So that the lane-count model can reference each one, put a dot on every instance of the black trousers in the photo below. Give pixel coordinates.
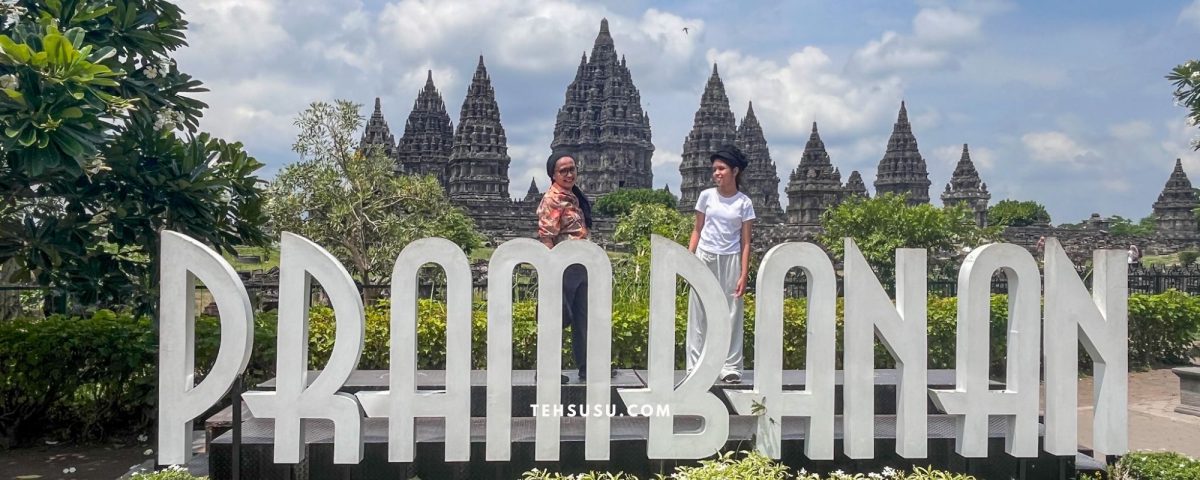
(574, 312)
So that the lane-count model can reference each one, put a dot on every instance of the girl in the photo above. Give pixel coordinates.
(721, 238)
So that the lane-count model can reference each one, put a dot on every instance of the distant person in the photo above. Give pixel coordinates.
(1134, 256)
(1041, 246)
(566, 214)
(721, 238)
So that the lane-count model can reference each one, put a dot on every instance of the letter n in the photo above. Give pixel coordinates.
(901, 329)
(1102, 324)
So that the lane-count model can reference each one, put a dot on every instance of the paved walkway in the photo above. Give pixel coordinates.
(1153, 423)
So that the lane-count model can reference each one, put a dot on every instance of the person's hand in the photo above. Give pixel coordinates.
(741, 287)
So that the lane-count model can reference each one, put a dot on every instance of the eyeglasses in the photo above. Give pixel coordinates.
(567, 171)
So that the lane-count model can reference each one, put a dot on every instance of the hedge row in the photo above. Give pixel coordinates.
(88, 377)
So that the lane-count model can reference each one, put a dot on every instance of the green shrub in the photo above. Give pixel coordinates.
(622, 201)
(750, 466)
(174, 472)
(1156, 466)
(85, 378)
(1162, 328)
(1188, 257)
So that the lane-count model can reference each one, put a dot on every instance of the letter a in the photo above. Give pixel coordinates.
(816, 401)
(971, 402)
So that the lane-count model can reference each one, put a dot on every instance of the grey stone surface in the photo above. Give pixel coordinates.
(602, 123)
(902, 169)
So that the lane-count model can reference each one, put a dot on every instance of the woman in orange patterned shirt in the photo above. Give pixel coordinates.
(566, 214)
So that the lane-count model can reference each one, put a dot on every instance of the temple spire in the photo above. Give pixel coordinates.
(377, 135)
(424, 148)
(713, 127)
(761, 180)
(855, 186)
(967, 188)
(815, 185)
(478, 166)
(602, 122)
(1173, 210)
(902, 169)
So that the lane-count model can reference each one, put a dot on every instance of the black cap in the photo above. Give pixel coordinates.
(731, 155)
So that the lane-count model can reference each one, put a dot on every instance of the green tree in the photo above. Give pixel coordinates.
(1122, 226)
(1013, 213)
(1186, 78)
(350, 201)
(622, 201)
(100, 150)
(632, 273)
(881, 225)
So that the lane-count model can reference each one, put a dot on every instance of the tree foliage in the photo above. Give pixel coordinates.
(1186, 78)
(632, 273)
(622, 201)
(883, 224)
(1122, 226)
(100, 150)
(350, 201)
(1014, 213)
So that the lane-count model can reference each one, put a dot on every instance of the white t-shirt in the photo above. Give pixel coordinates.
(721, 233)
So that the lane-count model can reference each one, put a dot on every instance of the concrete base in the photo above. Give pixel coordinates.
(1189, 390)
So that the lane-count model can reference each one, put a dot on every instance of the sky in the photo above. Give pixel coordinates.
(1063, 103)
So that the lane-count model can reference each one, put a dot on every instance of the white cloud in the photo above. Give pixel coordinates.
(1178, 144)
(1131, 131)
(943, 26)
(1191, 14)
(1053, 147)
(940, 35)
(664, 156)
(789, 97)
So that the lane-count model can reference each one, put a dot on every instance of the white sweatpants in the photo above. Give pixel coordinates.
(727, 268)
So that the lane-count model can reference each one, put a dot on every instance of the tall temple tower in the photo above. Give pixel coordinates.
(902, 170)
(424, 149)
(761, 180)
(377, 134)
(603, 124)
(967, 188)
(712, 128)
(478, 166)
(1175, 204)
(815, 185)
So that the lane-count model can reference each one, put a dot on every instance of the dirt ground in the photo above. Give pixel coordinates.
(47, 462)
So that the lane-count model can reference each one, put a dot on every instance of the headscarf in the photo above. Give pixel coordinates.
(584, 204)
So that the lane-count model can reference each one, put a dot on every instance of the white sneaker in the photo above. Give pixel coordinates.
(732, 376)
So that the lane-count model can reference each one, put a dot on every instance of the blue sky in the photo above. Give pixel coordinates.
(1061, 102)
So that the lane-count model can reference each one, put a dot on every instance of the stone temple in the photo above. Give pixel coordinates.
(602, 122)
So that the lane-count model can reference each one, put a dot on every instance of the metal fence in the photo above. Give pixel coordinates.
(25, 300)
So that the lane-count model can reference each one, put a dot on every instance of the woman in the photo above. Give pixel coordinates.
(721, 238)
(566, 214)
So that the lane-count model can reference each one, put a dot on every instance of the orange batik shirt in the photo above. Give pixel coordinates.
(559, 216)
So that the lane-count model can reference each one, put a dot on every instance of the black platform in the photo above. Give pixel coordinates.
(628, 437)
